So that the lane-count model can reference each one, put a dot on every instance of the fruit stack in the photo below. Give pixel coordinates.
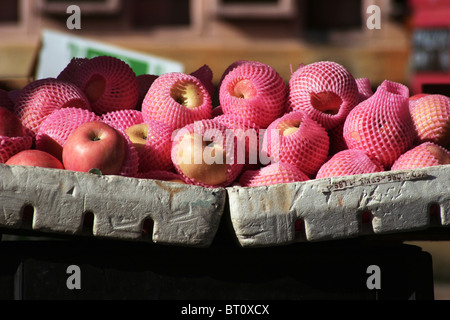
(97, 116)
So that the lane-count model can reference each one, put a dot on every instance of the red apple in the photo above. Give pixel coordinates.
(10, 125)
(35, 158)
(95, 145)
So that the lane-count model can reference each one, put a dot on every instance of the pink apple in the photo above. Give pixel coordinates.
(35, 158)
(10, 125)
(95, 145)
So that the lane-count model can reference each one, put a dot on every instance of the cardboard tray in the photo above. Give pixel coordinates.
(179, 214)
(390, 202)
(341, 207)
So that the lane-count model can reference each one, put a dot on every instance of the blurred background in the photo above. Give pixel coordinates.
(405, 41)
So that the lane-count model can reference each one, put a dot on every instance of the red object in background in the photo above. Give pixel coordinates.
(431, 15)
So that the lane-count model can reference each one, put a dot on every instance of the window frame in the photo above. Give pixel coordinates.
(283, 9)
(106, 7)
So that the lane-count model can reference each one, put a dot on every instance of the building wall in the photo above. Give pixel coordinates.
(199, 32)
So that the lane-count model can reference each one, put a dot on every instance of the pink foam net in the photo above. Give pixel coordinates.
(61, 123)
(324, 77)
(160, 105)
(5, 100)
(121, 86)
(307, 148)
(130, 166)
(247, 134)
(271, 174)
(348, 162)
(72, 69)
(42, 97)
(364, 88)
(382, 125)
(9, 146)
(270, 101)
(156, 154)
(123, 119)
(159, 175)
(431, 117)
(424, 155)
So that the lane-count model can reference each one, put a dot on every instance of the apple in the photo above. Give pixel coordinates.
(381, 125)
(56, 128)
(138, 134)
(255, 91)
(325, 90)
(431, 117)
(40, 98)
(426, 154)
(274, 173)
(108, 82)
(152, 141)
(214, 173)
(35, 158)
(203, 153)
(297, 139)
(10, 125)
(95, 145)
(348, 162)
(177, 99)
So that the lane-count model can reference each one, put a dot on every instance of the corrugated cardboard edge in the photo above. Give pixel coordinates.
(332, 208)
(181, 214)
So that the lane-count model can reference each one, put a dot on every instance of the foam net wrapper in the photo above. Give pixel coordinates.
(423, 155)
(156, 154)
(210, 129)
(121, 86)
(364, 88)
(42, 97)
(323, 77)
(9, 146)
(130, 166)
(5, 100)
(159, 104)
(270, 101)
(348, 162)
(159, 175)
(274, 173)
(123, 119)
(382, 125)
(61, 123)
(431, 117)
(72, 69)
(307, 148)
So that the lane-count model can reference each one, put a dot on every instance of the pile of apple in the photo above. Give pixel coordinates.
(97, 116)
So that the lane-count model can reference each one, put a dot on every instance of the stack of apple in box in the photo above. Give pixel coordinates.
(97, 116)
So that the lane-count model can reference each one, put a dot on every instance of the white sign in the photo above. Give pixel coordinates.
(59, 48)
